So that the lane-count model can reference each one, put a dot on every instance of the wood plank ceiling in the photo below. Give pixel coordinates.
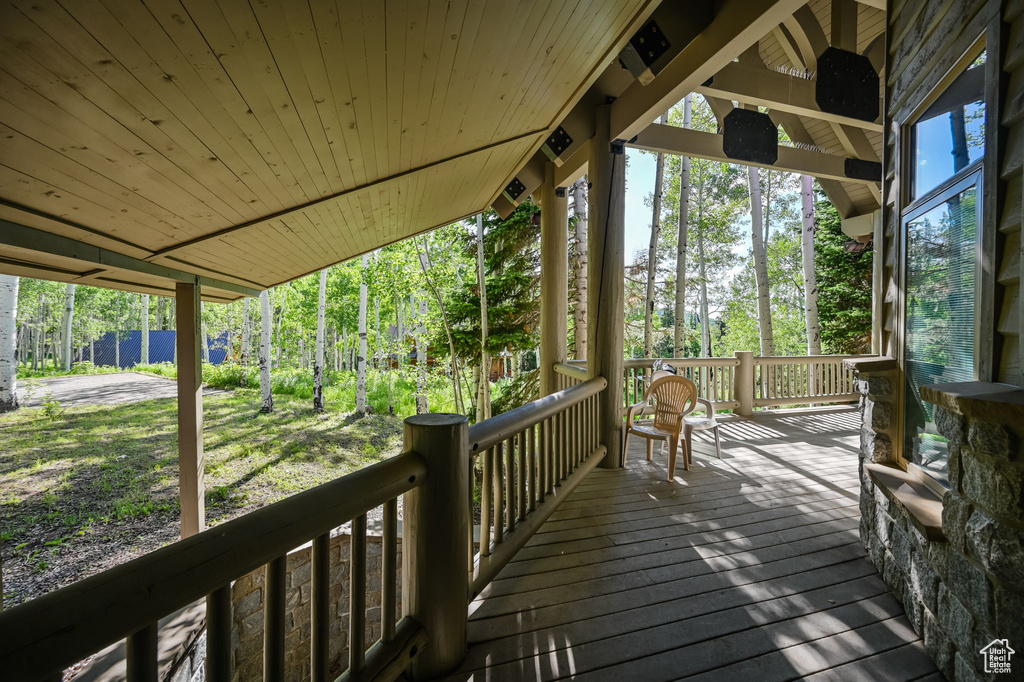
(257, 141)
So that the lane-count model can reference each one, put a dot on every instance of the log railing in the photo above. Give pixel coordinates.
(42, 637)
(529, 459)
(746, 381)
(802, 379)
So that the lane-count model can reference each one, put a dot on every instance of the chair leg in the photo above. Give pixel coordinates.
(689, 446)
(673, 444)
(625, 448)
(650, 450)
(718, 443)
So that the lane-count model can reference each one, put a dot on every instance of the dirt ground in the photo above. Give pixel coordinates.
(98, 389)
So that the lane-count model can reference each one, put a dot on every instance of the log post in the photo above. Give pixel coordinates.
(744, 386)
(190, 407)
(435, 580)
(554, 279)
(606, 245)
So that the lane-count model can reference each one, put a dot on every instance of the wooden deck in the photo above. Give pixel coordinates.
(745, 568)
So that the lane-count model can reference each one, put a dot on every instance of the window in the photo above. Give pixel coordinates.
(942, 258)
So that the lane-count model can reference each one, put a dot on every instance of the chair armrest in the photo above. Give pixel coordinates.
(707, 405)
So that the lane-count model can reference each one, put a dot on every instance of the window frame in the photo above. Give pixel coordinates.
(974, 174)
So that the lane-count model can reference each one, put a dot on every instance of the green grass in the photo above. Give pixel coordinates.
(79, 487)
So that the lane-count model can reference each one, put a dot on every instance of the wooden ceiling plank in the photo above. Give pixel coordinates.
(419, 77)
(237, 61)
(139, 85)
(340, 113)
(41, 119)
(50, 175)
(461, 83)
(504, 79)
(444, 21)
(282, 40)
(563, 63)
(242, 37)
(57, 75)
(372, 41)
(178, 24)
(70, 159)
(397, 29)
(350, 22)
(187, 93)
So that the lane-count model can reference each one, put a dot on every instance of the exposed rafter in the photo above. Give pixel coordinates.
(766, 88)
(798, 133)
(686, 142)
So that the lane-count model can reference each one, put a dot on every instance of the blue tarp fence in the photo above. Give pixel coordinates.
(161, 348)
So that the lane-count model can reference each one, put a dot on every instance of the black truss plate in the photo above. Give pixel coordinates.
(750, 136)
(847, 85)
(514, 190)
(863, 170)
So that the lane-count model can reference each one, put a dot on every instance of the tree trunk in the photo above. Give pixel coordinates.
(69, 319)
(652, 251)
(318, 362)
(810, 276)
(265, 361)
(8, 343)
(679, 336)
(206, 335)
(485, 360)
(243, 353)
(361, 359)
(579, 201)
(705, 314)
(425, 267)
(144, 357)
(422, 354)
(92, 342)
(380, 337)
(764, 310)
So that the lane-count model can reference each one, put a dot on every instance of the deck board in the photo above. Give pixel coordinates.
(748, 567)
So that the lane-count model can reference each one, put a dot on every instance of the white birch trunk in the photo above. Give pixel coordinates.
(579, 201)
(144, 358)
(652, 251)
(361, 359)
(69, 319)
(243, 353)
(265, 361)
(422, 353)
(810, 276)
(485, 359)
(206, 336)
(8, 343)
(318, 362)
(705, 314)
(764, 310)
(679, 335)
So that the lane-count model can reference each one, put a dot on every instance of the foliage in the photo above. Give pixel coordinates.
(844, 287)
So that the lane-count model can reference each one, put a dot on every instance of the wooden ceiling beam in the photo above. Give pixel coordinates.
(668, 139)
(774, 90)
(737, 25)
(844, 25)
(837, 194)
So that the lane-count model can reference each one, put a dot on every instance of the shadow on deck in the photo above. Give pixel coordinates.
(748, 567)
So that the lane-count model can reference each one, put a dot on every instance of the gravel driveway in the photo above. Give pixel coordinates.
(99, 389)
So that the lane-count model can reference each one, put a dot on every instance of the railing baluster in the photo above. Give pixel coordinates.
(531, 466)
(218, 635)
(510, 483)
(485, 504)
(521, 502)
(140, 655)
(499, 529)
(357, 596)
(389, 569)
(320, 600)
(273, 629)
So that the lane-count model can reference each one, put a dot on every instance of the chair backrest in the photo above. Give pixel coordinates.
(673, 396)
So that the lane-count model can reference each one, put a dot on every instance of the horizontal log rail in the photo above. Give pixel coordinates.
(743, 382)
(529, 459)
(42, 637)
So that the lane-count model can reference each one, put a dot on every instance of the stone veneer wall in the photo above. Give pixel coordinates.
(964, 591)
(247, 597)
